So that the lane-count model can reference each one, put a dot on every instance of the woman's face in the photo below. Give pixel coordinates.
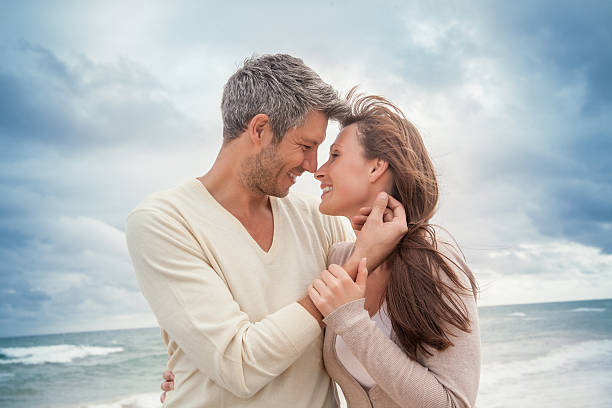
(345, 177)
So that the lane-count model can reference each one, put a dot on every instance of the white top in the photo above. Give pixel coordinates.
(227, 309)
(351, 363)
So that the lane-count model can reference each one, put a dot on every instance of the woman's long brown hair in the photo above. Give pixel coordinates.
(424, 292)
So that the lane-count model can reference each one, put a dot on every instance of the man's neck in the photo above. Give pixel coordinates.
(224, 183)
(252, 209)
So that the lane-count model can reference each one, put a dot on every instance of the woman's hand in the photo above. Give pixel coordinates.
(336, 287)
(357, 221)
(167, 385)
(380, 232)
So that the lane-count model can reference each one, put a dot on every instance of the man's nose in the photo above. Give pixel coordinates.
(310, 161)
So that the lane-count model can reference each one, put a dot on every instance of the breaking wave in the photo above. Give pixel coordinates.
(61, 353)
(589, 309)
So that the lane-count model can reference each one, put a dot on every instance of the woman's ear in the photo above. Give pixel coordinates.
(259, 129)
(378, 169)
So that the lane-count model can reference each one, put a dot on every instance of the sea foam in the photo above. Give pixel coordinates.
(60, 353)
(593, 350)
(132, 401)
(589, 309)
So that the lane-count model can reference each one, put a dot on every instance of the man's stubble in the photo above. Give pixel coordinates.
(260, 173)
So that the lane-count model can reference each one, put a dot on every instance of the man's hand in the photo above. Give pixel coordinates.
(379, 233)
(167, 385)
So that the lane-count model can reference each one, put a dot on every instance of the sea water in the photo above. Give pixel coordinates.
(537, 355)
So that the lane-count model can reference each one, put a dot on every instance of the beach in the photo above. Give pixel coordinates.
(536, 355)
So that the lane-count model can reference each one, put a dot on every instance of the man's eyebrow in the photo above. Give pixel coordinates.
(310, 141)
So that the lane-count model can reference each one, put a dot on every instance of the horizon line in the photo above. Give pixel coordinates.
(157, 327)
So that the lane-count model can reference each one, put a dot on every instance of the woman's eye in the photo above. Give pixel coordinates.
(333, 155)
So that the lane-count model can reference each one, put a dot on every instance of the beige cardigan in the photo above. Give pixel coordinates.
(444, 379)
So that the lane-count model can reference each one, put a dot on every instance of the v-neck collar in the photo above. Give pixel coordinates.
(266, 255)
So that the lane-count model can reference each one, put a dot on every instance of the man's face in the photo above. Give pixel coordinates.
(275, 168)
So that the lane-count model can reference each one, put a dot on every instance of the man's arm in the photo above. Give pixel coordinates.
(193, 304)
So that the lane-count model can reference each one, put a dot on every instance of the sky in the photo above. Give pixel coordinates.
(104, 103)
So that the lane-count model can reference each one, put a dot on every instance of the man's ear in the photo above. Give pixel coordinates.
(259, 130)
(378, 169)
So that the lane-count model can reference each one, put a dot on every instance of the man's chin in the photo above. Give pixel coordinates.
(277, 192)
(281, 194)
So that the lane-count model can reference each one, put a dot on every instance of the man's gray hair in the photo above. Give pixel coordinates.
(280, 86)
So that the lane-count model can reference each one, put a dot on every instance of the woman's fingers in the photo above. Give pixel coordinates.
(328, 278)
(321, 287)
(167, 385)
(388, 215)
(398, 209)
(338, 272)
(168, 375)
(362, 274)
(314, 295)
(365, 210)
(380, 203)
(357, 221)
(162, 397)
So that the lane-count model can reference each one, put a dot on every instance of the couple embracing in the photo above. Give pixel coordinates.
(265, 298)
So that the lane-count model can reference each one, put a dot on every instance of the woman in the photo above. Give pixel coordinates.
(405, 335)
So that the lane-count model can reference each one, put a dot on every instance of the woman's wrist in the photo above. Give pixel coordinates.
(375, 257)
(345, 316)
(352, 263)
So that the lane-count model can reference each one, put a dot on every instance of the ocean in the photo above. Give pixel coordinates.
(537, 355)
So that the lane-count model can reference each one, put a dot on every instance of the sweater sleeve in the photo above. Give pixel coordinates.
(195, 307)
(339, 253)
(450, 378)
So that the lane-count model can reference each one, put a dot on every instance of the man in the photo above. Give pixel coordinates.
(225, 260)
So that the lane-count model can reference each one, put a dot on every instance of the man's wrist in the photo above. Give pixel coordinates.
(310, 307)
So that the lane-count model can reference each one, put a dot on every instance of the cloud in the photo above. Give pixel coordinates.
(73, 269)
(78, 140)
(564, 39)
(526, 115)
(79, 104)
(513, 103)
(545, 272)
